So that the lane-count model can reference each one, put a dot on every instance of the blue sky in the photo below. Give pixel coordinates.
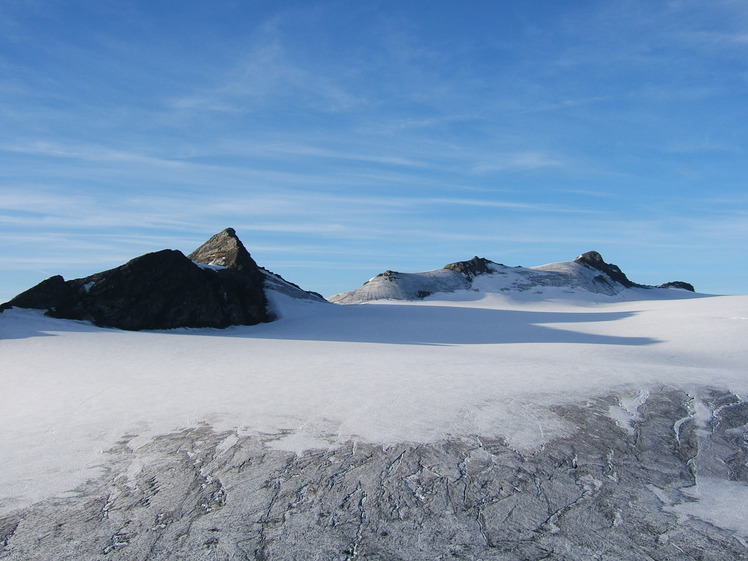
(341, 139)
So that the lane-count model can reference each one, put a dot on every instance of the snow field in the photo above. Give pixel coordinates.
(384, 372)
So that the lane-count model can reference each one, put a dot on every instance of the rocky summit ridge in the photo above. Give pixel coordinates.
(217, 285)
(587, 273)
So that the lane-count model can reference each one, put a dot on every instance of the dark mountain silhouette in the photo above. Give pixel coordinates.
(217, 285)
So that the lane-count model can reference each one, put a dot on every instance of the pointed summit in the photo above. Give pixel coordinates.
(224, 249)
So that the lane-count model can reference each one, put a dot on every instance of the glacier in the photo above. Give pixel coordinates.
(512, 416)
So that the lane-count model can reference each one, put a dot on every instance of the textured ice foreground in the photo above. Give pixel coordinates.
(491, 367)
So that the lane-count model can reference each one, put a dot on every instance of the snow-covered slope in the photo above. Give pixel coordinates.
(392, 285)
(276, 283)
(583, 275)
(357, 428)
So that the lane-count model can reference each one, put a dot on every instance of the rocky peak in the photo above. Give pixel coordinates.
(162, 290)
(475, 266)
(224, 249)
(594, 260)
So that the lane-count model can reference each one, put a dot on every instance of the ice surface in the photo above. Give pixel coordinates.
(626, 411)
(717, 501)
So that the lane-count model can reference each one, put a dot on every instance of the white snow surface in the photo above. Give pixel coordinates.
(464, 365)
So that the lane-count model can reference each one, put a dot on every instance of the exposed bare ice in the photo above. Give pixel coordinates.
(605, 492)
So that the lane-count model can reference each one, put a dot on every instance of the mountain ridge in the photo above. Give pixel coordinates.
(219, 284)
(588, 272)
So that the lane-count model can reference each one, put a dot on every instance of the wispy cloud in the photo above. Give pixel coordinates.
(285, 149)
(519, 161)
(367, 137)
(90, 153)
(267, 74)
(717, 38)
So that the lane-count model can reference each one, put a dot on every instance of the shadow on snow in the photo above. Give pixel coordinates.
(437, 325)
(381, 323)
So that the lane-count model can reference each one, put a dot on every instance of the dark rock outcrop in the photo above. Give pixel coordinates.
(678, 285)
(49, 293)
(162, 290)
(595, 260)
(476, 266)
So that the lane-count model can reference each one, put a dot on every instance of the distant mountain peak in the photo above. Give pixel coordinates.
(588, 273)
(595, 260)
